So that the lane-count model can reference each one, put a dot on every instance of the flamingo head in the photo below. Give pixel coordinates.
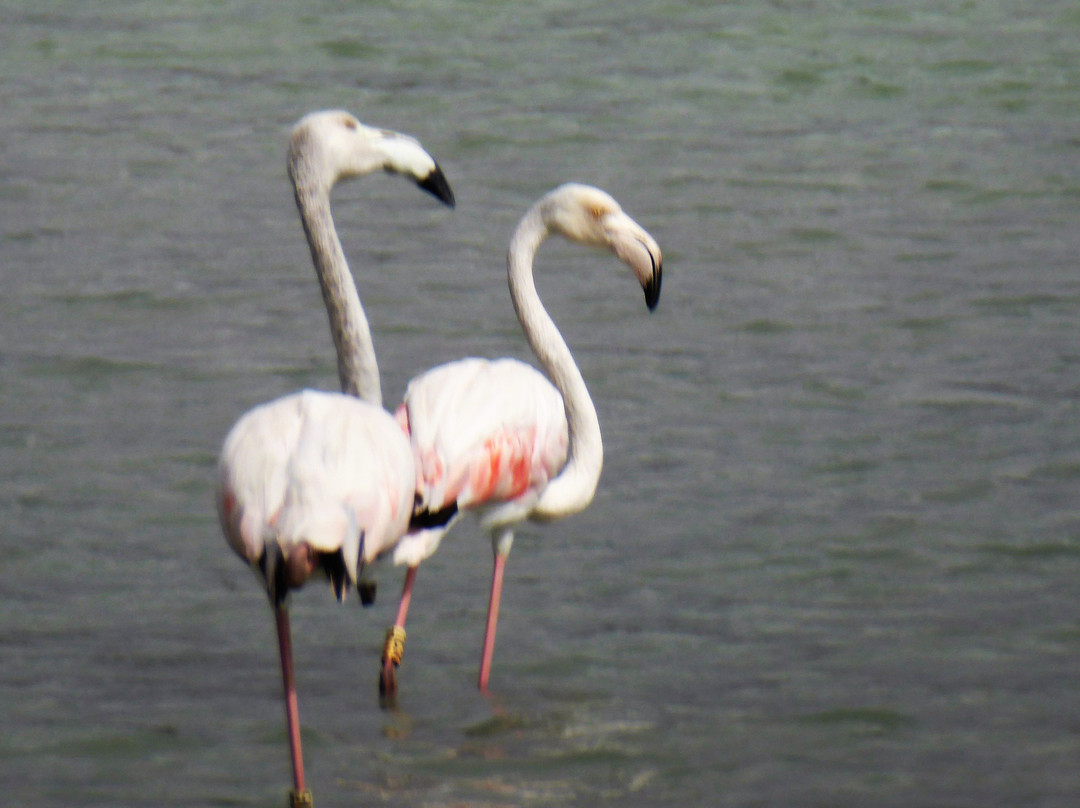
(590, 216)
(332, 145)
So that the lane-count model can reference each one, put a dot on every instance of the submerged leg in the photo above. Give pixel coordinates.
(395, 644)
(501, 541)
(299, 796)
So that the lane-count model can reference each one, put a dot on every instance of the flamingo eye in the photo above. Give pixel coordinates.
(348, 123)
(597, 211)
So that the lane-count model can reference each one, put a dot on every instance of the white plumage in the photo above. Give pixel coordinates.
(487, 434)
(319, 469)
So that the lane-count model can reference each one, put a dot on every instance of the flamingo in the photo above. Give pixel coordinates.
(496, 435)
(324, 481)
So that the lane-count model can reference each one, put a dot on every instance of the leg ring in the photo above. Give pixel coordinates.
(300, 799)
(395, 645)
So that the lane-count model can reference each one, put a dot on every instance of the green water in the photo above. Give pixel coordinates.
(834, 553)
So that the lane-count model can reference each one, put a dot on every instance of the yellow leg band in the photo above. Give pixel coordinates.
(300, 799)
(395, 645)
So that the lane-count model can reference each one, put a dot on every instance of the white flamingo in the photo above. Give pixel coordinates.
(498, 436)
(324, 481)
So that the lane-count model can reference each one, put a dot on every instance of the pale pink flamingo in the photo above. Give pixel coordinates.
(324, 481)
(498, 436)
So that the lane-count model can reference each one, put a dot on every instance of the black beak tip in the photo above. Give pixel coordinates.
(435, 184)
(652, 289)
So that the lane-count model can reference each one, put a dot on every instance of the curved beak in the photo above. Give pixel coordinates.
(638, 250)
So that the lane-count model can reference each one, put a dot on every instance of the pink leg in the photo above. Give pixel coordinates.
(406, 597)
(292, 715)
(492, 621)
(395, 640)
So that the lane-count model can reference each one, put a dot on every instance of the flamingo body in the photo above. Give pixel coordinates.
(486, 434)
(321, 469)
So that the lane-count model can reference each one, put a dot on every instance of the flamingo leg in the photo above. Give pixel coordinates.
(395, 644)
(492, 621)
(502, 539)
(299, 796)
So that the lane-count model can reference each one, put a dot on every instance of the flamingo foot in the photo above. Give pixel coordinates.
(300, 799)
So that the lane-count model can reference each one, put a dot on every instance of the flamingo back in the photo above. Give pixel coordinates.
(350, 481)
(323, 468)
(484, 433)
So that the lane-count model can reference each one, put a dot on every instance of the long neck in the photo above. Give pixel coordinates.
(357, 368)
(573, 489)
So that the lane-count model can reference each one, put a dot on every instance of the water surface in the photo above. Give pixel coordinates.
(834, 553)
